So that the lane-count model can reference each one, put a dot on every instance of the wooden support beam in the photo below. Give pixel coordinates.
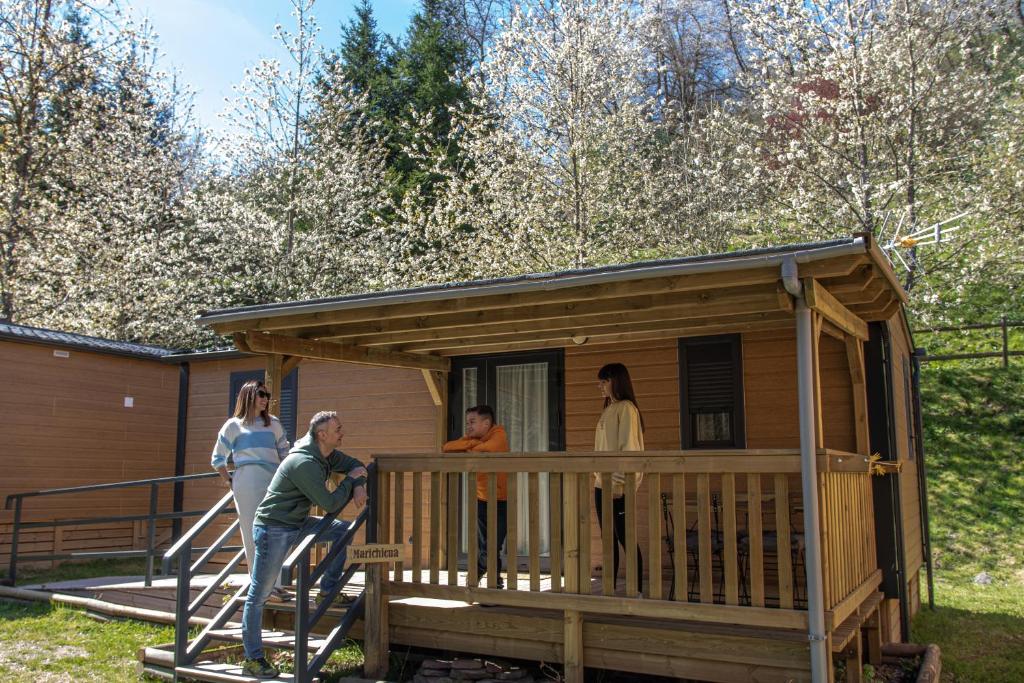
(607, 326)
(289, 364)
(881, 311)
(273, 378)
(819, 416)
(819, 299)
(572, 654)
(278, 344)
(725, 301)
(855, 360)
(240, 343)
(433, 381)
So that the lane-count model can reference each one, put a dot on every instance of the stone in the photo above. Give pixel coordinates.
(467, 664)
(513, 673)
(420, 678)
(470, 674)
(436, 665)
(982, 579)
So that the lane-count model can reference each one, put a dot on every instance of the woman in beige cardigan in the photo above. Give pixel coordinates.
(620, 428)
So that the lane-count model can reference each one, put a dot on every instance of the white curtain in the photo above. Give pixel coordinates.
(522, 408)
(469, 399)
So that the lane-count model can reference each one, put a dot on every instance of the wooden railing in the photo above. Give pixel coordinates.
(723, 540)
(849, 565)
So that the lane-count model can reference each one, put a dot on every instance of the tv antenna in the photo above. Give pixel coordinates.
(936, 233)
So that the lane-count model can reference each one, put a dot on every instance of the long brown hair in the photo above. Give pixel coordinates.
(245, 404)
(621, 386)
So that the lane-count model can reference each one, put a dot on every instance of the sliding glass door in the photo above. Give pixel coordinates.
(526, 392)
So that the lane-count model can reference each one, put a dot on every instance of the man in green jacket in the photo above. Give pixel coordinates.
(283, 518)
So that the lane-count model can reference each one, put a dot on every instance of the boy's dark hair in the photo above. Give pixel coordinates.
(483, 411)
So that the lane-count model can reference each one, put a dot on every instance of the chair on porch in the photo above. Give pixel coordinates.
(693, 549)
(770, 547)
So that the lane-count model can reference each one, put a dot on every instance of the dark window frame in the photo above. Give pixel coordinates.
(289, 389)
(687, 436)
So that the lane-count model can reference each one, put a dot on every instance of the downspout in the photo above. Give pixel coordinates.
(820, 661)
(179, 446)
(922, 475)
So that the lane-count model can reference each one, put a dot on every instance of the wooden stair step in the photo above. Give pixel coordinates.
(220, 672)
(275, 639)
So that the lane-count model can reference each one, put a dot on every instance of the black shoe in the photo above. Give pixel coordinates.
(259, 668)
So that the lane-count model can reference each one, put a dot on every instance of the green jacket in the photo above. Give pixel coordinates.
(300, 482)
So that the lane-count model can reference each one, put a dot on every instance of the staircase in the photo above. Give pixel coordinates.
(317, 630)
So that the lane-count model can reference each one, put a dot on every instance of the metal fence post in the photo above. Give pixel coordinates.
(1006, 345)
(154, 493)
(181, 614)
(302, 619)
(12, 570)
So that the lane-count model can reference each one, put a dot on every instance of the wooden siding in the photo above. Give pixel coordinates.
(66, 425)
(381, 410)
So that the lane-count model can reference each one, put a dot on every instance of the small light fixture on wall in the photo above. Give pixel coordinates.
(579, 339)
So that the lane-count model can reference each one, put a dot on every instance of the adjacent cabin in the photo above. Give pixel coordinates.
(773, 541)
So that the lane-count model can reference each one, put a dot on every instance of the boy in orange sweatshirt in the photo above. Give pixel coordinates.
(483, 436)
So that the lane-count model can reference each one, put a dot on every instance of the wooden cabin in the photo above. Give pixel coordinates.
(772, 544)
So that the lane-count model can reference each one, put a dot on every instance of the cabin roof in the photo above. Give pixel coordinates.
(690, 296)
(40, 335)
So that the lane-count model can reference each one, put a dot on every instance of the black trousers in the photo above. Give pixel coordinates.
(481, 532)
(619, 526)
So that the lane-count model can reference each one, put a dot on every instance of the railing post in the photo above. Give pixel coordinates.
(154, 492)
(375, 639)
(181, 614)
(302, 619)
(12, 570)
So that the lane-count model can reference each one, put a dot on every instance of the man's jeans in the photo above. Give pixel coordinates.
(272, 545)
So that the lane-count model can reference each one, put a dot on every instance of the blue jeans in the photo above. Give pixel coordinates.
(272, 545)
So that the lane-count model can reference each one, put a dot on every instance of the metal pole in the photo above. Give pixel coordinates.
(154, 492)
(181, 615)
(12, 570)
(1006, 345)
(302, 619)
(809, 469)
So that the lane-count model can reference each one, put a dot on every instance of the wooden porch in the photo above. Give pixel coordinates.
(720, 602)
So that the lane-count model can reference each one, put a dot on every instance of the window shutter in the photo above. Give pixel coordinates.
(711, 392)
(710, 381)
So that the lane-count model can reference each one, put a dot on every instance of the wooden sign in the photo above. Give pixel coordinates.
(373, 553)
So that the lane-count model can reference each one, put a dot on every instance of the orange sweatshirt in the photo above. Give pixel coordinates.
(494, 441)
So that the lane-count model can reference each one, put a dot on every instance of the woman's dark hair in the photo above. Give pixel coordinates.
(245, 404)
(621, 386)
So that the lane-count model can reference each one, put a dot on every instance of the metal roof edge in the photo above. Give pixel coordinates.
(552, 281)
(81, 342)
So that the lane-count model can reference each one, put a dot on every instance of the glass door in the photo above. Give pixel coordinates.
(526, 392)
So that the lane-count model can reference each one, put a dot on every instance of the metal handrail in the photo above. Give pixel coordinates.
(152, 517)
(187, 538)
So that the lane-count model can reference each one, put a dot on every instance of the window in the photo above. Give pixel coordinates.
(711, 392)
(289, 397)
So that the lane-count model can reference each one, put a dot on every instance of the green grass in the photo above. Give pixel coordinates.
(69, 571)
(974, 432)
(43, 642)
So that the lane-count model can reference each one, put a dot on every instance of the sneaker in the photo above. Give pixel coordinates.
(259, 668)
(281, 595)
(340, 600)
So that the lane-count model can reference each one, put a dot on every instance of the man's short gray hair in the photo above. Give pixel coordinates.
(321, 419)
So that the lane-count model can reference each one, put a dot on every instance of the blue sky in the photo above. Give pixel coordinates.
(209, 43)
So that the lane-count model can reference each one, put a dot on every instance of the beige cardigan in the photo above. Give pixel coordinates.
(618, 429)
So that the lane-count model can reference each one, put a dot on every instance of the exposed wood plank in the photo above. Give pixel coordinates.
(654, 535)
(584, 496)
(555, 508)
(855, 358)
(399, 536)
(434, 382)
(756, 548)
(452, 527)
(819, 415)
(753, 312)
(417, 527)
(607, 536)
(533, 528)
(881, 263)
(704, 537)
(680, 575)
(573, 647)
(493, 549)
(618, 606)
(730, 573)
(681, 283)
(819, 299)
(784, 542)
(560, 340)
(570, 513)
(272, 379)
(435, 527)
(293, 346)
(512, 534)
(632, 576)
(289, 364)
(472, 540)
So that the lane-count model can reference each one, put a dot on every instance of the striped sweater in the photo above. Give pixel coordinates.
(250, 443)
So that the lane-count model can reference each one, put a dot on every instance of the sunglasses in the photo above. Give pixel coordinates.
(263, 394)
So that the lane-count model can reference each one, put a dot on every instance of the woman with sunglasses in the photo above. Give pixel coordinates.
(255, 442)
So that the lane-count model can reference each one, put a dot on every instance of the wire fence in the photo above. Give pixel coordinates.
(1004, 352)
